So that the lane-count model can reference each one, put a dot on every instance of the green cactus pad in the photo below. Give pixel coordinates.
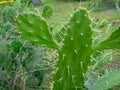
(34, 29)
(74, 56)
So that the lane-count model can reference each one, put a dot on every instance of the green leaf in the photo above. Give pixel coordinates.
(107, 81)
(92, 77)
(61, 34)
(74, 57)
(103, 61)
(112, 42)
(34, 29)
(108, 31)
(102, 23)
(47, 11)
(96, 38)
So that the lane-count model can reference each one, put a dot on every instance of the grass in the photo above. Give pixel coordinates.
(47, 1)
(62, 12)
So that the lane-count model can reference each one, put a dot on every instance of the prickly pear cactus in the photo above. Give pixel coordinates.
(74, 56)
(47, 11)
(34, 29)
